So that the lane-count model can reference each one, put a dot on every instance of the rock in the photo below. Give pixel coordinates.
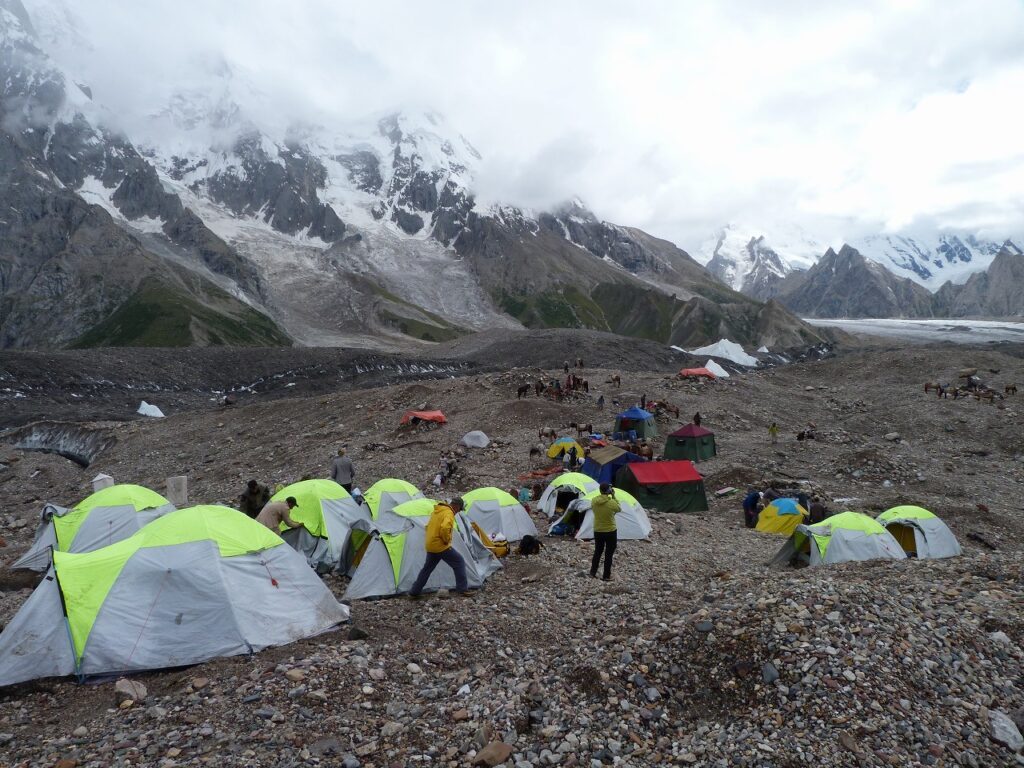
(849, 743)
(892, 437)
(198, 683)
(769, 673)
(129, 690)
(6, 738)
(460, 714)
(414, 669)
(391, 729)
(357, 633)
(80, 731)
(65, 762)
(1004, 730)
(495, 753)
(295, 675)
(705, 626)
(376, 673)
(999, 637)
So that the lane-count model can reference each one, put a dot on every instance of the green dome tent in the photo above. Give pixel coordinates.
(99, 520)
(391, 560)
(327, 513)
(920, 533)
(637, 419)
(691, 442)
(839, 539)
(565, 488)
(497, 511)
(387, 493)
(190, 586)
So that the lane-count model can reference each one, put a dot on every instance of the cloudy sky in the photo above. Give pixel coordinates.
(678, 117)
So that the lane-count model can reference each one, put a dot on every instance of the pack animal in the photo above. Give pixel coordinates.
(523, 391)
(530, 545)
(1010, 389)
(582, 429)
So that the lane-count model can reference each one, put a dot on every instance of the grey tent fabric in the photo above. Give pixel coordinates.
(375, 576)
(511, 521)
(35, 643)
(475, 439)
(932, 537)
(846, 545)
(103, 526)
(334, 552)
(174, 605)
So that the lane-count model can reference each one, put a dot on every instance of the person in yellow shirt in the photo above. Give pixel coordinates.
(605, 507)
(440, 529)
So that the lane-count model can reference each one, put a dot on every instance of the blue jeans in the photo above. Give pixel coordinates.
(449, 556)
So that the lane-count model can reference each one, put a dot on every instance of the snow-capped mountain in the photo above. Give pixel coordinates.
(363, 232)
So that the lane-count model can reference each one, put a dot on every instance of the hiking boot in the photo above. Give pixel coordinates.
(593, 574)
(416, 597)
(606, 578)
(467, 593)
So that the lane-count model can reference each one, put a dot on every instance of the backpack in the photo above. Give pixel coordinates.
(529, 545)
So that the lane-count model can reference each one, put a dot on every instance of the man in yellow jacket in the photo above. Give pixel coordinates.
(605, 507)
(440, 530)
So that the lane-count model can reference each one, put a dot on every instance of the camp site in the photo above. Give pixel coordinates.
(825, 588)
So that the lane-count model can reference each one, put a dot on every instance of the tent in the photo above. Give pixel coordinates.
(691, 442)
(716, 369)
(327, 513)
(697, 373)
(391, 561)
(190, 586)
(387, 493)
(782, 516)
(395, 519)
(671, 486)
(564, 489)
(603, 463)
(103, 518)
(564, 445)
(839, 539)
(495, 510)
(475, 439)
(920, 533)
(435, 416)
(631, 522)
(636, 419)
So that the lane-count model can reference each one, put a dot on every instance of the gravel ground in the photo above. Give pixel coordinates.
(696, 654)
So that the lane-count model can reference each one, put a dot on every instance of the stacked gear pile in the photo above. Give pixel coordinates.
(99, 520)
(190, 586)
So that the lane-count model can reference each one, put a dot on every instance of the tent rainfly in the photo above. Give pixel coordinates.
(630, 523)
(637, 419)
(920, 533)
(782, 517)
(563, 489)
(475, 439)
(390, 561)
(671, 486)
(839, 539)
(497, 511)
(100, 519)
(388, 493)
(603, 463)
(189, 586)
(414, 417)
(691, 442)
(564, 445)
(327, 513)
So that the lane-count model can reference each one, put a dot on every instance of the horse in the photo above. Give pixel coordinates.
(1010, 389)
(930, 385)
(987, 394)
(523, 391)
(616, 380)
(582, 429)
(548, 434)
(536, 454)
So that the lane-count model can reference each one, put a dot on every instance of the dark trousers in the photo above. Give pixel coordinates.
(604, 543)
(347, 487)
(449, 556)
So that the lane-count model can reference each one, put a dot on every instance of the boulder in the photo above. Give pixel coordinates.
(495, 753)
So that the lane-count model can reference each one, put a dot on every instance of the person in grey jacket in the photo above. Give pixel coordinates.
(342, 471)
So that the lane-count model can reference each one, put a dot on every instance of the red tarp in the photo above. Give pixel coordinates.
(425, 416)
(697, 372)
(660, 472)
(692, 430)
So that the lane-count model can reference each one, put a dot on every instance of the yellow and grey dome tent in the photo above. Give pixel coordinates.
(920, 532)
(190, 586)
(631, 522)
(565, 488)
(781, 517)
(327, 513)
(497, 511)
(388, 493)
(839, 539)
(392, 558)
(99, 520)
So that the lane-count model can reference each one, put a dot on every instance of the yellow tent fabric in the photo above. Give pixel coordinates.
(771, 521)
(564, 446)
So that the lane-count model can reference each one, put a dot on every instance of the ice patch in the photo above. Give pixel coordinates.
(729, 350)
(716, 369)
(763, 350)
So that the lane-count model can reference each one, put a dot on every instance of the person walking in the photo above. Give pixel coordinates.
(600, 403)
(276, 512)
(605, 507)
(342, 470)
(773, 432)
(440, 529)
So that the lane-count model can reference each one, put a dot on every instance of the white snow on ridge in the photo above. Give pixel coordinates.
(729, 350)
